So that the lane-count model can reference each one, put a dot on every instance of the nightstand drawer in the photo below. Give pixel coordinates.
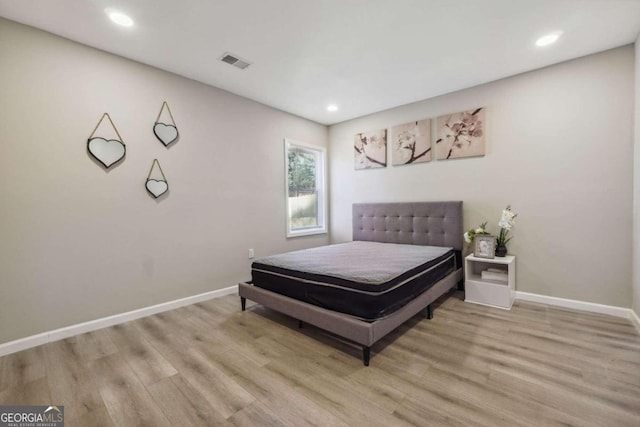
(488, 293)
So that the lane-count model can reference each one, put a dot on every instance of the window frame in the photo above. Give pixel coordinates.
(321, 177)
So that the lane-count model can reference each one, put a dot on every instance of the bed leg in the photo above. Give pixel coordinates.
(300, 324)
(366, 354)
(429, 312)
(243, 302)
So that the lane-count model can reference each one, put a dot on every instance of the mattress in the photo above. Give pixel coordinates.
(368, 280)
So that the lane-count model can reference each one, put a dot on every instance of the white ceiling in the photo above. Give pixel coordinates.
(363, 55)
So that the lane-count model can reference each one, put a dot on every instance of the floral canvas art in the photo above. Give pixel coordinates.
(461, 135)
(411, 143)
(370, 149)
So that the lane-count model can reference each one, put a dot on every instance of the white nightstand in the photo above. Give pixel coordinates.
(495, 293)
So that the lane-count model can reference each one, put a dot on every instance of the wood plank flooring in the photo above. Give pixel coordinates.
(211, 364)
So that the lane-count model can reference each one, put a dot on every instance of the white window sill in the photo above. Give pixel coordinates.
(309, 232)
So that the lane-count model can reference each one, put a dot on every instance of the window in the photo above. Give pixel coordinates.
(305, 189)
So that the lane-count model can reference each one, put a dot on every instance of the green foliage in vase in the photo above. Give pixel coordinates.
(473, 232)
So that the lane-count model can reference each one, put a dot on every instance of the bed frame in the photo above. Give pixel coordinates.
(419, 223)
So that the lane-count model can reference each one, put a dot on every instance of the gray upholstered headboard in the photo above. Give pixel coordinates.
(415, 223)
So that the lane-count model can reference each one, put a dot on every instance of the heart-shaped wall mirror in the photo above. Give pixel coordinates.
(157, 187)
(156, 183)
(165, 130)
(106, 150)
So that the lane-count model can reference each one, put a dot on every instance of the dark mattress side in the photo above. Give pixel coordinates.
(351, 297)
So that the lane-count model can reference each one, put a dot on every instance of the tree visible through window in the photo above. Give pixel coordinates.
(305, 189)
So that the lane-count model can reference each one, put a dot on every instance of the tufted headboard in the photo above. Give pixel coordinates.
(415, 223)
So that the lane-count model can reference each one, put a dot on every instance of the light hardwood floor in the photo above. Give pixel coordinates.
(211, 364)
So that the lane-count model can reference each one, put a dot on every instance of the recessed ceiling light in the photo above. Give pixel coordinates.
(332, 107)
(119, 17)
(548, 39)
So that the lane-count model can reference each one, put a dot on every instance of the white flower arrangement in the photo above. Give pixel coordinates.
(506, 223)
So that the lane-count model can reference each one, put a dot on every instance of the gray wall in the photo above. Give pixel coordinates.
(559, 150)
(636, 190)
(79, 243)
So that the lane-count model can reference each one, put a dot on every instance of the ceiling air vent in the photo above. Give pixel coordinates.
(235, 61)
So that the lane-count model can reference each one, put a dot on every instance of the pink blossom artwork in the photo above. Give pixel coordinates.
(370, 149)
(461, 135)
(411, 143)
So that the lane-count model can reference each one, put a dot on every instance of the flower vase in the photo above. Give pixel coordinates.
(501, 251)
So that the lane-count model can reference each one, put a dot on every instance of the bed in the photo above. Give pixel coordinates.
(402, 258)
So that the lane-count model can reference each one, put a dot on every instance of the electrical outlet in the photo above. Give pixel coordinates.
(251, 253)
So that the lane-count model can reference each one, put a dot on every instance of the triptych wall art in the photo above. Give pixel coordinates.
(371, 149)
(461, 135)
(457, 135)
(411, 143)
(106, 146)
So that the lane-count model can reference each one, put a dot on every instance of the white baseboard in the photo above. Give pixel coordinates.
(635, 319)
(81, 328)
(612, 310)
